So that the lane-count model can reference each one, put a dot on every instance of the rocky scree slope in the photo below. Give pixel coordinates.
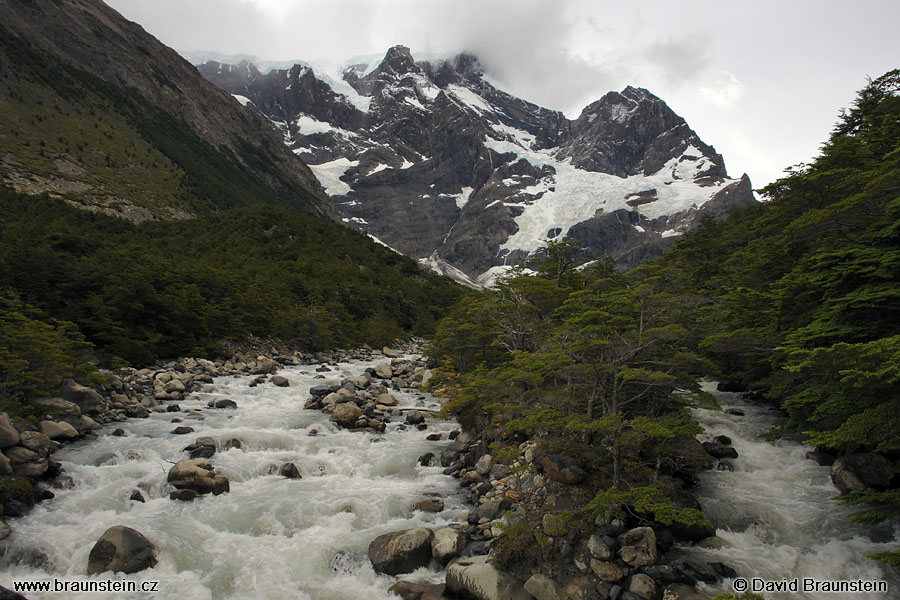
(438, 163)
(96, 110)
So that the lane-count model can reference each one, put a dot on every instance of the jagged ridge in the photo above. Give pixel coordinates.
(431, 158)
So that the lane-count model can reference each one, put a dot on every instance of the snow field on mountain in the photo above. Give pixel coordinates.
(329, 175)
(573, 195)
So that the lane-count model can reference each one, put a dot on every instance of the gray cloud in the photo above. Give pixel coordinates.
(762, 81)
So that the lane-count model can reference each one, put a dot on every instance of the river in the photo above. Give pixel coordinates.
(269, 537)
(774, 515)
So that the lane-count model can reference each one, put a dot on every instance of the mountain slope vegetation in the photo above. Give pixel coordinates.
(154, 290)
(97, 111)
(145, 214)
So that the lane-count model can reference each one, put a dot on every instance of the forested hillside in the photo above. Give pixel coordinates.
(797, 297)
(139, 293)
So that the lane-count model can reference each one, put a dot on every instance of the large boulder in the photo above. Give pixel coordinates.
(484, 465)
(448, 543)
(719, 450)
(58, 431)
(401, 551)
(384, 371)
(174, 385)
(562, 469)
(860, 471)
(198, 475)
(346, 414)
(88, 400)
(56, 406)
(637, 547)
(280, 381)
(263, 366)
(410, 590)
(542, 587)
(290, 470)
(606, 570)
(8, 434)
(121, 549)
(643, 586)
(5, 465)
(475, 577)
(387, 400)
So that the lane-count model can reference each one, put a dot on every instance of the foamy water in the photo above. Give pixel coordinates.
(269, 537)
(774, 515)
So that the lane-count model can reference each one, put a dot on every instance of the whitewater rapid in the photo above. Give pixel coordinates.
(269, 537)
(774, 517)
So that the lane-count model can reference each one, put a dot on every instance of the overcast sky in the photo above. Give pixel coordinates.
(762, 81)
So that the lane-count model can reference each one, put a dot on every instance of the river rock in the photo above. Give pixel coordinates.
(823, 459)
(121, 549)
(401, 551)
(487, 511)
(719, 450)
(184, 495)
(448, 543)
(5, 530)
(415, 417)
(202, 452)
(263, 365)
(387, 400)
(9, 436)
(475, 577)
(411, 590)
(280, 381)
(606, 570)
(290, 470)
(225, 404)
(56, 406)
(642, 586)
(384, 371)
(599, 548)
(432, 505)
(484, 464)
(425, 459)
(682, 591)
(87, 399)
(18, 454)
(5, 465)
(731, 386)
(391, 353)
(562, 469)
(638, 547)
(57, 431)
(37, 442)
(175, 386)
(542, 587)
(857, 472)
(197, 474)
(346, 414)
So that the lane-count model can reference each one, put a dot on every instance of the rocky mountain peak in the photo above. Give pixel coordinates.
(397, 60)
(441, 165)
(633, 132)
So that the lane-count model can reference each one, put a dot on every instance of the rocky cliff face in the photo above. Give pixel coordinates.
(433, 160)
(64, 62)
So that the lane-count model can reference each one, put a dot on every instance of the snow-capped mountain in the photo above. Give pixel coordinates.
(436, 162)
